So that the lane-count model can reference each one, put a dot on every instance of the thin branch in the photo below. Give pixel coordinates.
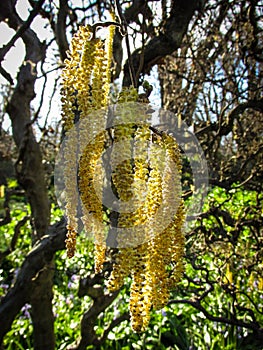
(6, 75)
(50, 71)
(113, 324)
(227, 127)
(7, 217)
(125, 32)
(21, 30)
(15, 237)
(168, 40)
(225, 320)
(42, 94)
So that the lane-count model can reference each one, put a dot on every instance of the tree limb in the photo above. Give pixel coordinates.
(28, 277)
(114, 323)
(89, 320)
(21, 29)
(231, 321)
(167, 41)
(15, 237)
(61, 36)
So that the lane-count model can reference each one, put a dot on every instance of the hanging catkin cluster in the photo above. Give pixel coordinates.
(146, 169)
(156, 264)
(85, 88)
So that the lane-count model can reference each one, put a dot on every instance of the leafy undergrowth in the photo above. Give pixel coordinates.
(223, 274)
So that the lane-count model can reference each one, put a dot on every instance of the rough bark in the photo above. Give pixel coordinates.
(30, 171)
(166, 42)
(89, 320)
(29, 277)
(61, 36)
(29, 164)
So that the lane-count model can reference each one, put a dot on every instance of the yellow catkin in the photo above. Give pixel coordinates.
(91, 165)
(122, 266)
(85, 87)
(140, 303)
(70, 78)
(155, 264)
(69, 109)
(159, 262)
(91, 199)
(71, 192)
(146, 172)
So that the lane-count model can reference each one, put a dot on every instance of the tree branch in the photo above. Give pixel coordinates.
(28, 277)
(227, 125)
(113, 324)
(19, 111)
(6, 75)
(233, 321)
(22, 28)
(167, 41)
(89, 320)
(61, 36)
(15, 237)
(93, 287)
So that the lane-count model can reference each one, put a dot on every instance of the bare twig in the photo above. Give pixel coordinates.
(21, 30)
(125, 32)
(7, 218)
(15, 237)
(113, 324)
(6, 75)
(163, 44)
(220, 319)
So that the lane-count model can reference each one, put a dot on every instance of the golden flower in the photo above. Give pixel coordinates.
(85, 86)
(146, 170)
